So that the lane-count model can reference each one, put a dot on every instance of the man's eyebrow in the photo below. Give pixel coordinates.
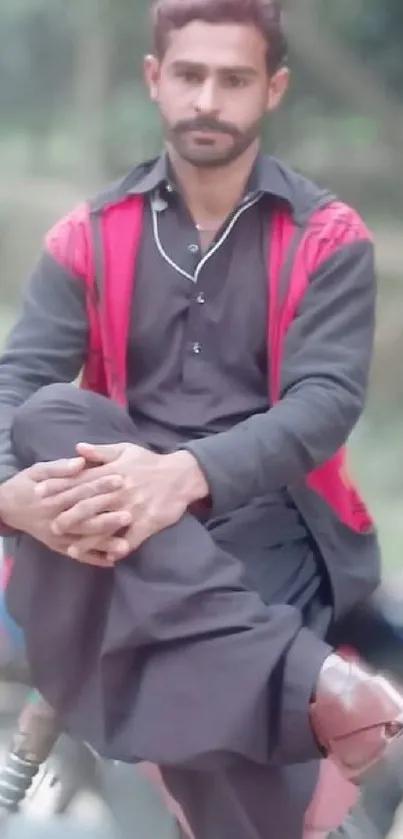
(236, 69)
(187, 64)
(239, 70)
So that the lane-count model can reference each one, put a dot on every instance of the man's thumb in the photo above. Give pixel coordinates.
(98, 454)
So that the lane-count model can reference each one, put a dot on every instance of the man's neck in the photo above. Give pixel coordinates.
(212, 194)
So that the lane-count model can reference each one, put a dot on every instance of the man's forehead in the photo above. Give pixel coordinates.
(224, 44)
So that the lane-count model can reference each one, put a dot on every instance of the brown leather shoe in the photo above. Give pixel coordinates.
(355, 715)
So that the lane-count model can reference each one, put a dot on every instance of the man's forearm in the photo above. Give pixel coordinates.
(277, 449)
(8, 462)
(5, 529)
(324, 379)
(46, 345)
(194, 485)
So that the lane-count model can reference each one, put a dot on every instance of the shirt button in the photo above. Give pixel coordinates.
(193, 248)
(200, 298)
(196, 348)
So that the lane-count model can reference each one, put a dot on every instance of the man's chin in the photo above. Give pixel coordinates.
(204, 158)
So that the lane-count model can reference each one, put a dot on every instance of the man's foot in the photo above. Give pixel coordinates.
(355, 716)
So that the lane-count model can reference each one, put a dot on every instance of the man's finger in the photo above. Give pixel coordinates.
(63, 486)
(106, 493)
(94, 558)
(94, 473)
(116, 547)
(103, 525)
(109, 493)
(71, 520)
(63, 468)
(139, 532)
(134, 537)
(100, 454)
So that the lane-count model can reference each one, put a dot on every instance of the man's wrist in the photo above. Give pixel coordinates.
(2, 502)
(3, 507)
(193, 480)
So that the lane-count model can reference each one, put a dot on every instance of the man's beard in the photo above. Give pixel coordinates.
(206, 155)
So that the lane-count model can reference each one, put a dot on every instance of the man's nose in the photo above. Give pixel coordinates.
(208, 98)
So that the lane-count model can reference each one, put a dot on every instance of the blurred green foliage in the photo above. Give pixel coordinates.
(373, 29)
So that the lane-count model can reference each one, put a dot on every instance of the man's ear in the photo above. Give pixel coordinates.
(279, 84)
(151, 70)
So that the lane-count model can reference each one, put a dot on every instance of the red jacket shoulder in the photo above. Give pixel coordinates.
(69, 240)
(332, 228)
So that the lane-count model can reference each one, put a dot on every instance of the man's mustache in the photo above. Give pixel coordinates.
(205, 124)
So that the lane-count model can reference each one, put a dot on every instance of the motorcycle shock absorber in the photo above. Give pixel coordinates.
(32, 742)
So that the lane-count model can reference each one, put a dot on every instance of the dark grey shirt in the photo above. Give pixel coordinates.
(197, 354)
(197, 357)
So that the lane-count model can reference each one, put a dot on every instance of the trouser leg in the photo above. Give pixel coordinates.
(169, 657)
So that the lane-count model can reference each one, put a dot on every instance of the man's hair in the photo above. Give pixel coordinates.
(266, 15)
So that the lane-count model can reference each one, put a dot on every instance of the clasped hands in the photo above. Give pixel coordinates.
(102, 505)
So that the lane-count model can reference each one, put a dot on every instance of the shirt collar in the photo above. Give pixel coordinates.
(154, 175)
(266, 178)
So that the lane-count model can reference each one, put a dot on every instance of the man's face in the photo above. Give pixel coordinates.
(213, 90)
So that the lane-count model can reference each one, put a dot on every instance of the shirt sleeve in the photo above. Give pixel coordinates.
(48, 344)
(327, 356)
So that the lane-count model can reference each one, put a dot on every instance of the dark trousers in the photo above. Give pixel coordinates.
(170, 657)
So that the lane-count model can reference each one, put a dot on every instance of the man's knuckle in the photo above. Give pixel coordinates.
(61, 527)
(84, 508)
(85, 493)
(155, 514)
(95, 526)
(47, 506)
(39, 469)
(140, 501)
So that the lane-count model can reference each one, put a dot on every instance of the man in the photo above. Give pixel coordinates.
(189, 532)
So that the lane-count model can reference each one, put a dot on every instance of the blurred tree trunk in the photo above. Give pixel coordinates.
(91, 88)
(343, 75)
(338, 70)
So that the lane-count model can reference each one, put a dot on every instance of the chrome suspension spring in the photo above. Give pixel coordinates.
(16, 777)
(33, 740)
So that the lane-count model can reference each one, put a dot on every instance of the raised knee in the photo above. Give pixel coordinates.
(40, 408)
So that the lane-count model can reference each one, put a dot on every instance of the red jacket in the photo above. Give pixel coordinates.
(107, 243)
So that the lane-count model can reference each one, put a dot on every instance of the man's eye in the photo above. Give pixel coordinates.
(234, 81)
(189, 77)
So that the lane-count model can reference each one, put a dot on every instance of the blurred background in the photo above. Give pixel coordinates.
(74, 114)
